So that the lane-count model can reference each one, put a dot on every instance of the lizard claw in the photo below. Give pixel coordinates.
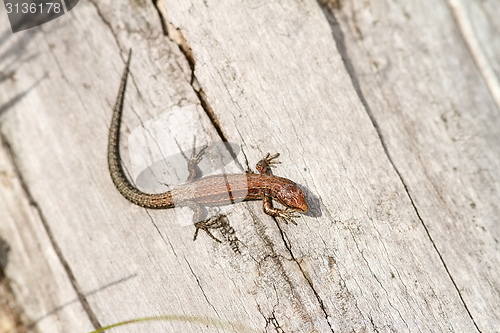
(197, 157)
(271, 160)
(267, 162)
(288, 215)
(211, 223)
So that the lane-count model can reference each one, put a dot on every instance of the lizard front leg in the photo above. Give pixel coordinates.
(266, 163)
(287, 214)
(264, 167)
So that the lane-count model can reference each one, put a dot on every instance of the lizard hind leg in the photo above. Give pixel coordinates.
(210, 223)
(196, 157)
(219, 222)
(200, 222)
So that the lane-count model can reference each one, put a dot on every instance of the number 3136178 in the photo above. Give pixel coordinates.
(33, 8)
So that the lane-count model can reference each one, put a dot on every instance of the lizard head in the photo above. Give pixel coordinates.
(292, 197)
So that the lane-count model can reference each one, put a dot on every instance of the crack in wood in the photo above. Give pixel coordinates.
(341, 47)
(176, 36)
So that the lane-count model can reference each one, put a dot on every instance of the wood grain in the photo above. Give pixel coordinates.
(439, 123)
(380, 112)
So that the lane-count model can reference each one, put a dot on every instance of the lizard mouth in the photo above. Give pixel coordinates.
(302, 208)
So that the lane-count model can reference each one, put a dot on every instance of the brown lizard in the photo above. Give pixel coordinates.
(212, 190)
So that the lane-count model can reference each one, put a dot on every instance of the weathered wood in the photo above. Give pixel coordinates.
(479, 27)
(379, 111)
(439, 124)
(33, 267)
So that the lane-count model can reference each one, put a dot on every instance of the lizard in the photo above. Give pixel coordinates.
(214, 190)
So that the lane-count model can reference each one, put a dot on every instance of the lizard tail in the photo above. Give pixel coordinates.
(123, 185)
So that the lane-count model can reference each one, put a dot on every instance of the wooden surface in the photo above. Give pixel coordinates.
(386, 114)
